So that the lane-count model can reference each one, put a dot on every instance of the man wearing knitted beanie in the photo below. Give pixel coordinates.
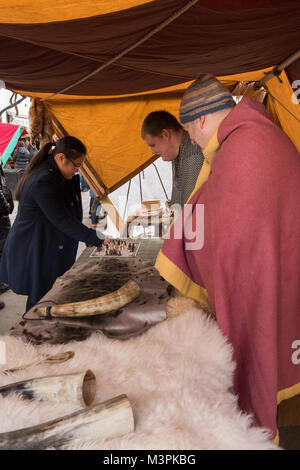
(203, 107)
(247, 269)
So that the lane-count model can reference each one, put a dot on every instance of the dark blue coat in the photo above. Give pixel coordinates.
(43, 241)
(6, 208)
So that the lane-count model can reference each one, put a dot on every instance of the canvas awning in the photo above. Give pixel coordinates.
(148, 52)
(54, 47)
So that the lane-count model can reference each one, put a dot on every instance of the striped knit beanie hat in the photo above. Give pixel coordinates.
(205, 95)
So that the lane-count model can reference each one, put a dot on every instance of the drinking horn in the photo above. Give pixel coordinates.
(104, 304)
(78, 389)
(110, 419)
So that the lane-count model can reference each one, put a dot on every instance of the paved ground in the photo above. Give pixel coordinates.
(15, 304)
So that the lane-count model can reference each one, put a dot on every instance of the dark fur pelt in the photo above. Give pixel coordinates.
(40, 122)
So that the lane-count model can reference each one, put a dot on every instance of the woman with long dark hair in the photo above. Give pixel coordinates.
(43, 241)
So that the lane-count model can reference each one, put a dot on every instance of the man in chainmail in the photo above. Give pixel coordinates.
(166, 137)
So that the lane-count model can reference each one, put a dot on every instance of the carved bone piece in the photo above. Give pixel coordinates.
(56, 359)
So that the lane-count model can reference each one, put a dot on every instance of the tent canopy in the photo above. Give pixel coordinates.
(140, 56)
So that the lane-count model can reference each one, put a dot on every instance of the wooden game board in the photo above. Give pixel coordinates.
(118, 247)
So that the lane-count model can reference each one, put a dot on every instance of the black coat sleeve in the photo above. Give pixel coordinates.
(50, 199)
(6, 198)
(4, 205)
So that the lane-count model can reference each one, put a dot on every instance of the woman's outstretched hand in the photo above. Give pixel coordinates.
(107, 240)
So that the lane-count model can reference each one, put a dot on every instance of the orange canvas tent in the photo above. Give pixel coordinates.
(97, 68)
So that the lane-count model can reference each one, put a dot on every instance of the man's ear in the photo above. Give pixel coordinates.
(201, 121)
(166, 133)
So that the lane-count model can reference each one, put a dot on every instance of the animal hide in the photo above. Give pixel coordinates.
(95, 279)
(177, 376)
(41, 126)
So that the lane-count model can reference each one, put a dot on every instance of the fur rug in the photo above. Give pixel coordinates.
(177, 377)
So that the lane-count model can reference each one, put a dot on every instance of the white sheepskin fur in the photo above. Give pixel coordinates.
(176, 376)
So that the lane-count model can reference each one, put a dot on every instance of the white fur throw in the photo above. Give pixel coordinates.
(176, 376)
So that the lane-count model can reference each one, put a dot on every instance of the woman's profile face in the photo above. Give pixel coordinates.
(68, 167)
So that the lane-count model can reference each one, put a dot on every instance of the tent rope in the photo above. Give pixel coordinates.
(128, 49)
(141, 192)
(279, 102)
(127, 197)
(160, 181)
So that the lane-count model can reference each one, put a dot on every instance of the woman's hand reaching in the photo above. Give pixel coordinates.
(107, 240)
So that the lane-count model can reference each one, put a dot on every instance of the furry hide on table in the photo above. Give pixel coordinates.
(176, 375)
(95, 279)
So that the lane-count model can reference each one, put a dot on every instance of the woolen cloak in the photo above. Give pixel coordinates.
(248, 269)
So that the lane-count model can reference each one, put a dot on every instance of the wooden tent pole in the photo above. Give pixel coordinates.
(278, 69)
(113, 214)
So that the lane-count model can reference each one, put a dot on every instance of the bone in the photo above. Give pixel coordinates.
(78, 389)
(110, 419)
(56, 359)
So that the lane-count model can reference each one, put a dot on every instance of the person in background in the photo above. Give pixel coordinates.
(83, 184)
(97, 211)
(23, 152)
(25, 137)
(21, 156)
(6, 208)
(166, 137)
(32, 150)
(43, 241)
